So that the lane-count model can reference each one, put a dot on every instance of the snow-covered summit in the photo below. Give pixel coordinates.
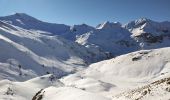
(27, 22)
(150, 33)
(108, 25)
(21, 16)
(144, 25)
(137, 22)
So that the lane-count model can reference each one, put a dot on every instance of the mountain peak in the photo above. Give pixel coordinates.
(108, 25)
(139, 22)
(23, 16)
(142, 21)
(28, 22)
(19, 16)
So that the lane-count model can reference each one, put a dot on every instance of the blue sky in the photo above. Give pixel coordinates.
(91, 12)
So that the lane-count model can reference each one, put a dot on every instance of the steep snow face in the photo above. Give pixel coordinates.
(33, 54)
(76, 31)
(27, 22)
(150, 32)
(108, 37)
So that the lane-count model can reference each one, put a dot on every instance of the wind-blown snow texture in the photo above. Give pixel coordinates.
(60, 62)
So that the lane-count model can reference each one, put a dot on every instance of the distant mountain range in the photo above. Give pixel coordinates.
(110, 37)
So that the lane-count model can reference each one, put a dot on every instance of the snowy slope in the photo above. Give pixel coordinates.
(51, 90)
(112, 77)
(40, 54)
(108, 37)
(53, 93)
(27, 22)
(26, 90)
(137, 66)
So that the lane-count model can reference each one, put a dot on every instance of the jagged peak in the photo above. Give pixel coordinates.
(138, 22)
(143, 21)
(108, 25)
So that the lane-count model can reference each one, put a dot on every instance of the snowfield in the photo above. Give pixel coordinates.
(102, 80)
(75, 94)
(45, 61)
(111, 77)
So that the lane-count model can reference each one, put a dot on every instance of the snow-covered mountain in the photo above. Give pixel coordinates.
(109, 37)
(27, 22)
(144, 26)
(119, 39)
(151, 33)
